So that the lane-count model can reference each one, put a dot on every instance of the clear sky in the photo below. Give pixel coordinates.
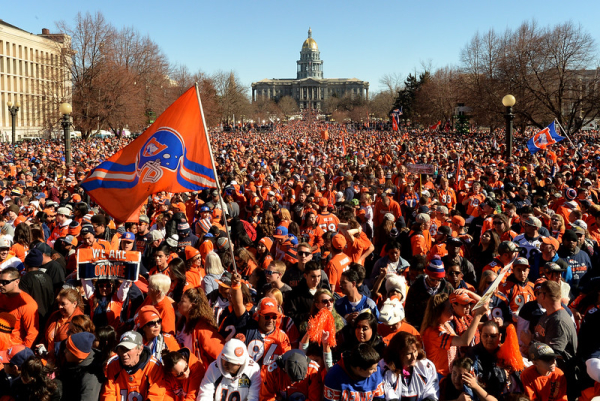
(262, 38)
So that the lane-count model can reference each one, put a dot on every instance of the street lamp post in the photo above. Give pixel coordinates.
(509, 101)
(13, 109)
(65, 110)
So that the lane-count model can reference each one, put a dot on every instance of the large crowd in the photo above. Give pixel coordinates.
(324, 267)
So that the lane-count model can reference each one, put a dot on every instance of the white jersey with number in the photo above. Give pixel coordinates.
(422, 384)
(216, 386)
(528, 247)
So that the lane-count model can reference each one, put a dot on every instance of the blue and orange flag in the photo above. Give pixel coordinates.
(396, 113)
(172, 155)
(543, 139)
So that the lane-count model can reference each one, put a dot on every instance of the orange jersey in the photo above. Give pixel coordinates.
(357, 248)
(315, 237)
(276, 384)
(145, 384)
(334, 269)
(328, 222)
(437, 342)
(473, 205)
(447, 197)
(420, 243)
(185, 390)
(516, 294)
(552, 387)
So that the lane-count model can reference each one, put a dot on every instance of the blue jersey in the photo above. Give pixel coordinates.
(344, 307)
(339, 385)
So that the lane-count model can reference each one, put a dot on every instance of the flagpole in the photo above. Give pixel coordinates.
(565, 132)
(212, 161)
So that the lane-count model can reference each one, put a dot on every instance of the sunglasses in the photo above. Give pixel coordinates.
(455, 273)
(271, 272)
(304, 253)
(154, 323)
(270, 317)
(328, 301)
(7, 282)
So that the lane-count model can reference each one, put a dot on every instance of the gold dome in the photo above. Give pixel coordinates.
(310, 44)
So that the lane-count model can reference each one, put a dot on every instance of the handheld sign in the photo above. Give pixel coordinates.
(113, 264)
(421, 168)
(490, 291)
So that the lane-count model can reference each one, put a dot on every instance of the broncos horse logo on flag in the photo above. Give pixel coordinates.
(161, 154)
(172, 155)
(544, 138)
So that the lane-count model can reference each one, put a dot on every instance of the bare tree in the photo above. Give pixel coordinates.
(392, 82)
(232, 95)
(288, 106)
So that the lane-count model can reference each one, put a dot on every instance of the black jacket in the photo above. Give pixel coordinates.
(82, 381)
(417, 297)
(299, 302)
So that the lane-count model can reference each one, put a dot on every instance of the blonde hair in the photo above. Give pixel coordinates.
(276, 294)
(213, 264)
(278, 266)
(160, 282)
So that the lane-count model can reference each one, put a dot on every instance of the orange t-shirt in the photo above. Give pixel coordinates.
(437, 342)
(552, 387)
(334, 269)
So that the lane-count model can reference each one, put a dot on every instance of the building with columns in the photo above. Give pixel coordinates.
(33, 75)
(309, 89)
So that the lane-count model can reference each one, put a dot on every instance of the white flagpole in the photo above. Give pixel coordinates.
(565, 132)
(212, 161)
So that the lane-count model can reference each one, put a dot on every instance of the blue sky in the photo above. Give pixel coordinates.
(262, 38)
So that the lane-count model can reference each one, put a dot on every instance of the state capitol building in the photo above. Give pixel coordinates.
(309, 89)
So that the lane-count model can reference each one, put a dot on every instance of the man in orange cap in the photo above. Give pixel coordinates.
(338, 263)
(260, 333)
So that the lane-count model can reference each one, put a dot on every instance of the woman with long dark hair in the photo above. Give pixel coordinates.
(35, 383)
(197, 329)
(21, 241)
(362, 330)
(179, 284)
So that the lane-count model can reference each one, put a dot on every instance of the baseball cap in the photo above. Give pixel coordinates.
(453, 241)
(554, 267)
(460, 298)
(4, 242)
(533, 221)
(268, 306)
(445, 230)
(459, 221)
(282, 232)
(144, 219)
(551, 241)
(204, 208)
(580, 223)
(521, 261)
(338, 241)
(541, 351)
(295, 364)
(225, 280)
(422, 218)
(507, 246)
(131, 339)
(128, 236)
(323, 202)
(191, 252)
(64, 211)
(156, 235)
(18, 354)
